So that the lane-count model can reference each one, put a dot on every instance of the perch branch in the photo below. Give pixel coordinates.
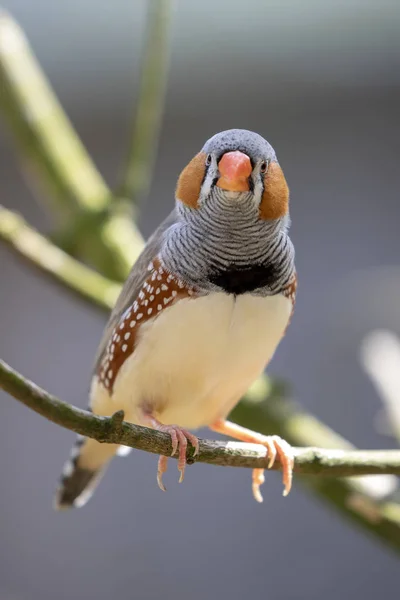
(136, 177)
(315, 461)
(381, 519)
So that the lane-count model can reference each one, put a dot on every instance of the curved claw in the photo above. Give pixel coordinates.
(179, 440)
(162, 467)
(286, 457)
(258, 480)
(275, 446)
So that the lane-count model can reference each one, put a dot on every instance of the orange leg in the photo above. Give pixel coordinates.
(179, 438)
(274, 444)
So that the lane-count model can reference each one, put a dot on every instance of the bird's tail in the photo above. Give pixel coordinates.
(82, 472)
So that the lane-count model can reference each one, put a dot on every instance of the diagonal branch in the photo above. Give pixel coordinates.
(380, 518)
(315, 461)
(42, 130)
(58, 161)
(54, 262)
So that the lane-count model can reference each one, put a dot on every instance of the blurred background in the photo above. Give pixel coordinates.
(321, 81)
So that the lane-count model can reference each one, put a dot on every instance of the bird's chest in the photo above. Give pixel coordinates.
(194, 361)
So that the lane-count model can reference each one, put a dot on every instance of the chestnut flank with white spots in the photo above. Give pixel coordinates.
(146, 308)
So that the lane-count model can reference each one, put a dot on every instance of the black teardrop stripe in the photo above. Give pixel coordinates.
(235, 280)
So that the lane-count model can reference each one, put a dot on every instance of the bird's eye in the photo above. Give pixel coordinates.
(263, 167)
(208, 160)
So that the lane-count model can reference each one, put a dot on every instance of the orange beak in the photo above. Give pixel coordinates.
(235, 170)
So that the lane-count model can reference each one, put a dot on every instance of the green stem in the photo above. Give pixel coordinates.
(41, 253)
(312, 461)
(79, 197)
(42, 130)
(137, 175)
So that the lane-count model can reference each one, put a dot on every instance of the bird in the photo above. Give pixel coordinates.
(200, 315)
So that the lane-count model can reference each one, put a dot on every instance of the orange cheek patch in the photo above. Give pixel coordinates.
(275, 199)
(190, 180)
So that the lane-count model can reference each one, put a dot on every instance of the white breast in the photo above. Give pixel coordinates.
(198, 357)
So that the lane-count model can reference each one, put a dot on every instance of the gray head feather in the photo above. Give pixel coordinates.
(252, 144)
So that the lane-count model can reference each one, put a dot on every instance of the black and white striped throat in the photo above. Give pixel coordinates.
(224, 245)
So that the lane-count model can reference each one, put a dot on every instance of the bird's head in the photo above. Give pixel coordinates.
(235, 167)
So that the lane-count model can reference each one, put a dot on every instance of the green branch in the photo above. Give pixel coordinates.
(42, 254)
(137, 175)
(315, 461)
(42, 131)
(382, 519)
(79, 196)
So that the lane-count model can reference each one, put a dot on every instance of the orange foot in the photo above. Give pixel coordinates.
(179, 438)
(275, 446)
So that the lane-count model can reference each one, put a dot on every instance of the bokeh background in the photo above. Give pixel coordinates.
(321, 81)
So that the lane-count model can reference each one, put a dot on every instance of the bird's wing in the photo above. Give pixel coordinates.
(134, 283)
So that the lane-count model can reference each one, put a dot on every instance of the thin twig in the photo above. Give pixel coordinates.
(136, 177)
(41, 253)
(114, 430)
(380, 518)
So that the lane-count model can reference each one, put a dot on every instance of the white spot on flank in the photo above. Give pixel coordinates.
(169, 278)
(132, 323)
(151, 289)
(141, 295)
(151, 298)
(139, 316)
(150, 267)
(68, 468)
(124, 347)
(115, 337)
(110, 373)
(166, 300)
(149, 311)
(157, 290)
(127, 336)
(159, 307)
(159, 277)
(75, 452)
(180, 284)
(174, 293)
(112, 349)
(122, 325)
(146, 302)
(164, 287)
(118, 338)
(153, 277)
